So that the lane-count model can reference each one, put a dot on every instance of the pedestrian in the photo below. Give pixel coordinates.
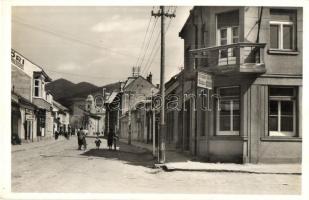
(84, 142)
(110, 139)
(115, 138)
(97, 142)
(79, 139)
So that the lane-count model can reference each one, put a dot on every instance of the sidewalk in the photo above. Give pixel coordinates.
(37, 144)
(176, 161)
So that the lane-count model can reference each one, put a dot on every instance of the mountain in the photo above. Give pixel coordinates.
(59, 87)
(63, 90)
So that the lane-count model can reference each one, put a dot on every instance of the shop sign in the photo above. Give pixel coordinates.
(204, 80)
(17, 59)
(29, 117)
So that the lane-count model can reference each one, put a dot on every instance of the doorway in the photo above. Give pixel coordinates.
(187, 126)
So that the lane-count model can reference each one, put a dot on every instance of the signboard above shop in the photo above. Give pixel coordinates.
(17, 59)
(204, 80)
(29, 117)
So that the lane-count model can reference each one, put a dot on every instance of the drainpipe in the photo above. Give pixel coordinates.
(195, 87)
(259, 25)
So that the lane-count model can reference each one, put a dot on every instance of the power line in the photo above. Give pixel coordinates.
(69, 37)
(155, 43)
(83, 75)
(156, 20)
(148, 66)
(143, 40)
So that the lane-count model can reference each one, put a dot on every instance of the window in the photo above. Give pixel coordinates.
(228, 32)
(283, 30)
(228, 112)
(37, 87)
(223, 41)
(282, 109)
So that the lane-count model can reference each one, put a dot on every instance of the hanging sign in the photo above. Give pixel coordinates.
(204, 80)
(29, 117)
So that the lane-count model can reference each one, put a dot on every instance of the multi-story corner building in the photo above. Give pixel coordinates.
(241, 86)
(31, 110)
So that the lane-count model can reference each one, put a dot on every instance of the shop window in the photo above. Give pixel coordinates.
(282, 111)
(283, 30)
(228, 112)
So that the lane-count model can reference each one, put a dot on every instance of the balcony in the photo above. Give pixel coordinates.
(232, 58)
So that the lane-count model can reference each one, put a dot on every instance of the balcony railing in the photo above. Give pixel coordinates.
(238, 57)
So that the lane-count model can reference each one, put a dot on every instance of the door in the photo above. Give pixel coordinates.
(227, 33)
(187, 126)
(226, 36)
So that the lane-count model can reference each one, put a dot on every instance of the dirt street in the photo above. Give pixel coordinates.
(60, 167)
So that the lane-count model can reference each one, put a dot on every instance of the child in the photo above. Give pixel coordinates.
(97, 142)
(115, 138)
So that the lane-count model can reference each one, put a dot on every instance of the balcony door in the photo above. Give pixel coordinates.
(227, 33)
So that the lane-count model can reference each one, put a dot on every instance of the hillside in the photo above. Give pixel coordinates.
(64, 90)
(59, 87)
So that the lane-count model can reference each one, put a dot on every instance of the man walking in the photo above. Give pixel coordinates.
(80, 139)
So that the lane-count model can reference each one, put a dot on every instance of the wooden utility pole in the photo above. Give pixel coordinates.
(162, 132)
(129, 120)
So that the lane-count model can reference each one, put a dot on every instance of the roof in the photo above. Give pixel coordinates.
(17, 98)
(132, 79)
(187, 21)
(58, 105)
(48, 79)
(34, 64)
(111, 97)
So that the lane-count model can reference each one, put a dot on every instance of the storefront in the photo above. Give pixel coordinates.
(23, 119)
(241, 117)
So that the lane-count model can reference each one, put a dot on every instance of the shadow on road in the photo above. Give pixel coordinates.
(129, 154)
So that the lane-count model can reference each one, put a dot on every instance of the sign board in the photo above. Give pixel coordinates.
(29, 117)
(17, 59)
(204, 80)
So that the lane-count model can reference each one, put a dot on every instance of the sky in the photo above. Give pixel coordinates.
(97, 44)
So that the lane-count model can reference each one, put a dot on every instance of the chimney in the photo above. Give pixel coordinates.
(149, 78)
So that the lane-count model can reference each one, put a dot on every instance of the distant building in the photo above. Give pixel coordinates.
(136, 109)
(85, 115)
(61, 117)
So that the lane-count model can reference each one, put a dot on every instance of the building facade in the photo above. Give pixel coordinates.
(61, 117)
(240, 93)
(136, 112)
(35, 121)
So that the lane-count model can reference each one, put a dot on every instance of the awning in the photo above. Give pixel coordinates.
(111, 97)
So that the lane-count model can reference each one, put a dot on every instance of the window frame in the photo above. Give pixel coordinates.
(230, 52)
(280, 41)
(279, 99)
(38, 87)
(231, 99)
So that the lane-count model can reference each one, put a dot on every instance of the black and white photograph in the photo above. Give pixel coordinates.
(156, 100)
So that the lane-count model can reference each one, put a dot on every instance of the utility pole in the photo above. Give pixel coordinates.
(162, 132)
(129, 120)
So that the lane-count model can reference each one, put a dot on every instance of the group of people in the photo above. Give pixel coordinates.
(111, 140)
(81, 139)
